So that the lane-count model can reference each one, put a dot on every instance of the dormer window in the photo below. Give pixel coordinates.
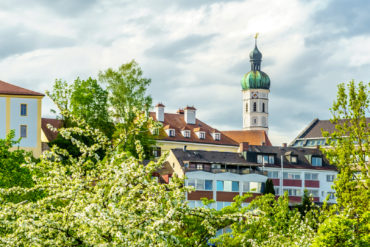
(316, 161)
(170, 132)
(216, 136)
(186, 133)
(155, 131)
(293, 159)
(265, 159)
(202, 135)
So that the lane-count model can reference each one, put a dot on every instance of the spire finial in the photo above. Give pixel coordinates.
(255, 39)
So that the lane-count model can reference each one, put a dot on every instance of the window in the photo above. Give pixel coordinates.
(267, 159)
(273, 174)
(186, 133)
(235, 186)
(221, 205)
(263, 107)
(202, 135)
(316, 161)
(200, 184)
(23, 109)
(207, 168)
(311, 176)
(245, 186)
(208, 184)
(199, 167)
(293, 192)
(277, 190)
(291, 175)
(156, 151)
(217, 136)
(271, 159)
(246, 107)
(216, 166)
(254, 106)
(227, 186)
(313, 193)
(294, 159)
(23, 131)
(220, 185)
(331, 195)
(171, 132)
(330, 178)
(255, 187)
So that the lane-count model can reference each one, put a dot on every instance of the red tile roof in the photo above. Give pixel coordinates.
(253, 137)
(177, 122)
(9, 89)
(56, 123)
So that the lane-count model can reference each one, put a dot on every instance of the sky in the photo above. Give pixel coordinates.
(195, 51)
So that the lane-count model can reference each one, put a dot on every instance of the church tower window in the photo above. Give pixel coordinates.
(254, 106)
(263, 107)
(246, 107)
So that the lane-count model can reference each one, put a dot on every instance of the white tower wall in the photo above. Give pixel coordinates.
(255, 118)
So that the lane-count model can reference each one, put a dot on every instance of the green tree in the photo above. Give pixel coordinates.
(349, 152)
(84, 99)
(12, 173)
(269, 189)
(127, 96)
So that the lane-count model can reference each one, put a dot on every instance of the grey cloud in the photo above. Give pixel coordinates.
(341, 18)
(181, 48)
(62, 7)
(19, 40)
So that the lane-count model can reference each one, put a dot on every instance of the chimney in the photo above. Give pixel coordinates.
(180, 111)
(159, 112)
(243, 147)
(189, 114)
(284, 145)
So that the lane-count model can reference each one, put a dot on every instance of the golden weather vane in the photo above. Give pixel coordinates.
(256, 36)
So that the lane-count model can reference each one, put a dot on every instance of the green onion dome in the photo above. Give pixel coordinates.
(255, 79)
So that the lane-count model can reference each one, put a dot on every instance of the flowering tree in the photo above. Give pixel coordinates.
(111, 200)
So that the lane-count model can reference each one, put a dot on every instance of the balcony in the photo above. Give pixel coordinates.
(241, 171)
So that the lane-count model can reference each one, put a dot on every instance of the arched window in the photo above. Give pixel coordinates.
(263, 107)
(246, 107)
(254, 106)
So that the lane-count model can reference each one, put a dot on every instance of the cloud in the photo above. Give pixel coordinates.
(182, 48)
(195, 52)
(18, 40)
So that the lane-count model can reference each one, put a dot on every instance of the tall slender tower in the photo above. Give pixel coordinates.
(255, 88)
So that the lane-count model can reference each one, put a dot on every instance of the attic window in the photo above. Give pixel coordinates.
(202, 135)
(217, 136)
(171, 132)
(316, 161)
(186, 133)
(293, 159)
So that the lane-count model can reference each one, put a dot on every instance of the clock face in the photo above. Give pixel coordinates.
(254, 95)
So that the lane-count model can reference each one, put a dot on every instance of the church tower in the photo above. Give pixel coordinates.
(255, 88)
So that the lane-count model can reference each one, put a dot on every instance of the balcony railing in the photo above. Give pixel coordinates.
(222, 170)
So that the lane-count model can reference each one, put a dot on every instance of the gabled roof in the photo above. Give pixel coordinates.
(177, 122)
(56, 123)
(253, 137)
(315, 128)
(9, 89)
(303, 156)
